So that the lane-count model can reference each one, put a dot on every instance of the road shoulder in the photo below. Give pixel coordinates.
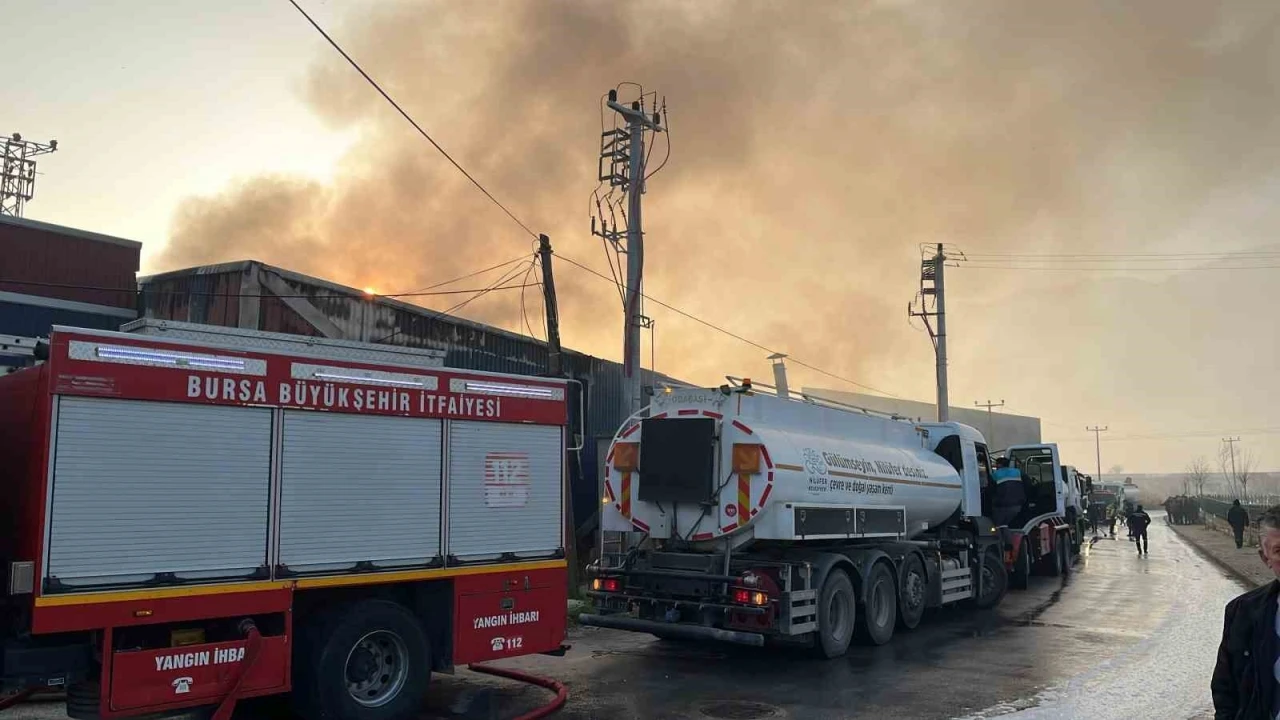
(1241, 563)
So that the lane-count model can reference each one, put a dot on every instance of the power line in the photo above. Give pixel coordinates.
(1156, 437)
(507, 277)
(146, 289)
(412, 122)
(731, 334)
(497, 285)
(470, 275)
(1114, 268)
(1102, 256)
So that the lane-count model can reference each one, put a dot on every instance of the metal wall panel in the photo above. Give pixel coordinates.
(52, 261)
(504, 490)
(143, 488)
(359, 489)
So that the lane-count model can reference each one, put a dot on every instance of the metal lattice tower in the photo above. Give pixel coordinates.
(18, 171)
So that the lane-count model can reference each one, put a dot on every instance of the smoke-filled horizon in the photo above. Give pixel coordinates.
(814, 147)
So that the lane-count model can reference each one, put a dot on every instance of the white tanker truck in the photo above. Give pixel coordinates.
(755, 517)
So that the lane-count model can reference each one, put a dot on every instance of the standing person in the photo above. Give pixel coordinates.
(1138, 522)
(1238, 519)
(1244, 681)
(1111, 521)
(1010, 495)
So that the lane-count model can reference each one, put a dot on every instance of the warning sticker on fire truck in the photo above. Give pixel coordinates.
(506, 479)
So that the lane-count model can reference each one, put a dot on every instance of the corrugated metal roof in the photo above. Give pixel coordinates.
(68, 231)
(466, 343)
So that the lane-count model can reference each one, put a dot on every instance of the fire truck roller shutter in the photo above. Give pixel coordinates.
(359, 488)
(145, 488)
(505, 483)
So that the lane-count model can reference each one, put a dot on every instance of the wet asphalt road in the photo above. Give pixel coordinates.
(1124, 637)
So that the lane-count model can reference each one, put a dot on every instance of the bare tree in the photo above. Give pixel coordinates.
(1197, 476)
(1224, 466)
(1245, 463)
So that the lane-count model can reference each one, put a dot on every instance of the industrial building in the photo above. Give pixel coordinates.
(54, 275)
(254, 296)
(1000, 429)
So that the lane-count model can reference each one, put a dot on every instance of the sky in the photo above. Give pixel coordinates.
(1080, 160)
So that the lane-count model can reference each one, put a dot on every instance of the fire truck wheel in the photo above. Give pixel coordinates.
(1064, 548)
(911, 596)
(366, 661)
(881, 607)
(1021, 574)
(993, 580)
(837, 614)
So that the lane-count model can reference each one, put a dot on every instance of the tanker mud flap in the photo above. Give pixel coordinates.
(799, 612)
(672, 630)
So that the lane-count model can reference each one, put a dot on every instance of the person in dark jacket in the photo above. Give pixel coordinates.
(1238, 519)
(1138, 523)
(1245, 680)
(1010, 493)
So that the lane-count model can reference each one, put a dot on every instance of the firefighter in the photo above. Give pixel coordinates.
(1010, 494)
(1238, 519)
(1138, 522)
(1111, 521)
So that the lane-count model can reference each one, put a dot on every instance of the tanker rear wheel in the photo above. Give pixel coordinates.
(881, 608)
(837, 614)
(993, 580)
(911, 595)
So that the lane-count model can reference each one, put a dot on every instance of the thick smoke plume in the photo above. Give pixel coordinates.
(814, 146)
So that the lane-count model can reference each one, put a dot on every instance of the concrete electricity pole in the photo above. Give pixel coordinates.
(931, 285)
(991, 431)
(1097, 446)
(638, 122)
(1231, 443)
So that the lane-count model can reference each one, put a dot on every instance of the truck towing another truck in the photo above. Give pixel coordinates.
(761, 518)
(189, 523)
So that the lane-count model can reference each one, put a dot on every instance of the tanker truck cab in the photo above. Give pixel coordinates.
(1045, 539)
(750, 518)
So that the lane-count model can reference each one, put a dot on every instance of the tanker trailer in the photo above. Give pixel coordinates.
(749, 517)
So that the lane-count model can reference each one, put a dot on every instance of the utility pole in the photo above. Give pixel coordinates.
(18, 171)
(991, 430)
(554, 368)
(1097, 446)
(638, 122)
(931, 285)
(1231, 443)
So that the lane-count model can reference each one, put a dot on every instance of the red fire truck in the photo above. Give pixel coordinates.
(187, 523)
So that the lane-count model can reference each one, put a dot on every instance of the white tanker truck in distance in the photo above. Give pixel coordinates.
(768, 518)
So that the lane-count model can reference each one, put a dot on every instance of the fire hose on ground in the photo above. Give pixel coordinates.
(11, 700)
(562, 693)
(228, 704)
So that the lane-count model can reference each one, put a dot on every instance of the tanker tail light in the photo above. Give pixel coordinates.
(606, 585)
(743, 596)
